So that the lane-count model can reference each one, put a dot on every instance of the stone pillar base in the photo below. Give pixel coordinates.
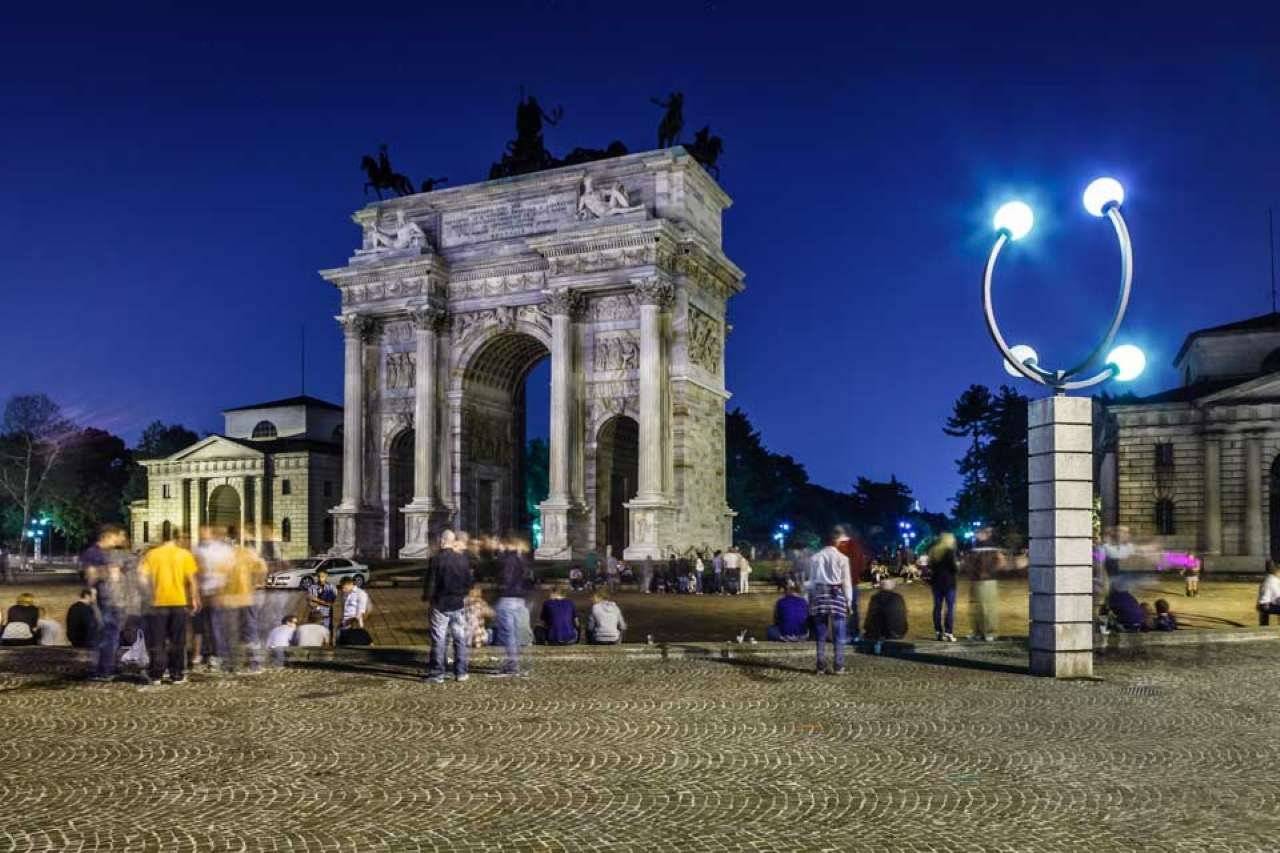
(652, 527)
(357, 531)
(1060, 476)
(560, 521)
(422, 525)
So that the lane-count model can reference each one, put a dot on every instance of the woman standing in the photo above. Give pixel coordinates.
(943, 569)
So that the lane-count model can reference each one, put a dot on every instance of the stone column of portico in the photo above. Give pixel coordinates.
(650, 507)
(244, 500)
(345, 515)
(1253, 495)
(259, 510)
(1060, 476)
(1212, 494)
(561, 305)
(418, 514)
(197, 509)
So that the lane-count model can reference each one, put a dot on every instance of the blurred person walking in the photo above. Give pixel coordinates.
(170, 573)
(215, 557)
(943, 570)
(852, 548)
(513, 587)
(238, 610)
(104, 564)
(983, 565)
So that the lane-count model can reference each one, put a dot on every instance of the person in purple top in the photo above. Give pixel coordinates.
(1126, 610)
(790, 617)
(559, 621)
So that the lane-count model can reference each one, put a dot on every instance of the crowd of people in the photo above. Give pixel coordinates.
(201, 605)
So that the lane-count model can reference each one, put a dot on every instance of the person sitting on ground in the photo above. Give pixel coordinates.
(1268, 594)
(280, 638)
(605, 625)
(22, 622)
(886, 616)
(790, 617)
(1165, 620)
(476, 611)
(559, 622)
(576, 580)
(82, 621)
(312, 635)
(1126, 613)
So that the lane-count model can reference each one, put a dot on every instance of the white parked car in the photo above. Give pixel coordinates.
(300, 574)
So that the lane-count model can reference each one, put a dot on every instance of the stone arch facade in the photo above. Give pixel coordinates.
(453, 297)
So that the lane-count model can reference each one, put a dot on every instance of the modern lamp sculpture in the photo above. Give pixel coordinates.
(1060, 452)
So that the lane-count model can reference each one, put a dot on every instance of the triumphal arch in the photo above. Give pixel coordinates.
(614, 270)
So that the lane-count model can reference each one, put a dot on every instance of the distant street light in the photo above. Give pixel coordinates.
(1060, 450)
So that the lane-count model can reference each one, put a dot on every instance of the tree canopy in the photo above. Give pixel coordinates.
(994, 467)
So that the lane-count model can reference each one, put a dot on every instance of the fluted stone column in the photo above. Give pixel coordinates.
(418, 514)
(1212, 494)
(346, 515)
(259, 511)
(1253, 495)
(563, 306)
(1060, 477)
(651, 508)
(244, 501)
(197, 509)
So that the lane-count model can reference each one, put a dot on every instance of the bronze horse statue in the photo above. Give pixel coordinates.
(383, 177)
(706, 149)
(672, 120)
(431, 183)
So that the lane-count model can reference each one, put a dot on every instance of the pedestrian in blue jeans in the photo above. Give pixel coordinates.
(830, 590)
(943, 569)
(103, 564)
(446, 585)
(513, 585)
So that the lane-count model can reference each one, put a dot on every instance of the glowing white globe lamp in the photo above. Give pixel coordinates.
(1101, 194)
(1015, 218)
(1128, 361)
(1024, 354)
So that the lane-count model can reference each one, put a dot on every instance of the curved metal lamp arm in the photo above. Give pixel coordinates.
(1112, 212)
(1035, 374)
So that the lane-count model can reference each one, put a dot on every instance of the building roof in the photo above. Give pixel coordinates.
(301, 400)
(1181, 394)
(288, 445)
(1269, 322)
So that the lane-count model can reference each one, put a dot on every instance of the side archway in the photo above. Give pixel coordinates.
(399, 484)
(224, 512)
(617, 477)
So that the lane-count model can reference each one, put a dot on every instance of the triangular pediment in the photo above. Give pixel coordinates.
(1263, 389)
(215, 447)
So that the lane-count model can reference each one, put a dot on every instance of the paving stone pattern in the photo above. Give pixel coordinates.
(1171, 750)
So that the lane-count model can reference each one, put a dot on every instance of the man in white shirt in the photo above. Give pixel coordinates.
(830, 585)
(732, 562)
(1269, 594)
(355, 603)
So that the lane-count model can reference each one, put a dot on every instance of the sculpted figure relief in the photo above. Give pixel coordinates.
(405, 235)
(610, 200)
(401, 370)
(704, 340)
(617, 352)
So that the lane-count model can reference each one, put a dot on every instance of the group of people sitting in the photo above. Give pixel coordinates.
(886, 617)
(560, 624)
(26, 624)
(722, 573)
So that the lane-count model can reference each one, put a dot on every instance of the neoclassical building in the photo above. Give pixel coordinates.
(1197, 468)
(278, 463)
(615, 271)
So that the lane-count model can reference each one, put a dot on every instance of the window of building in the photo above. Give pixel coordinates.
(286, 488)
(327, 530)
(1164, 454)
(1164, 517)
(328, 488)
(146, 531)
(166, 531)
(286, 530)
(164, 491)
(264, 429)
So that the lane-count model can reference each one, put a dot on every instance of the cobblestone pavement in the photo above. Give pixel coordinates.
(1173, 750)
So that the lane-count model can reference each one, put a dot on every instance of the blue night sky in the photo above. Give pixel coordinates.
(173, 179)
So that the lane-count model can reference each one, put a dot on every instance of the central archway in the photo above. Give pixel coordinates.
(224, 512)
(399, 484)
(492, 441)
(617, 475)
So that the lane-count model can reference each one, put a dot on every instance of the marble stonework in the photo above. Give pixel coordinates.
(614, 270)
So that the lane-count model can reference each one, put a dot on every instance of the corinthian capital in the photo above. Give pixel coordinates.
(353, 325)
(653, 291)
(427, 318)
(563, 302)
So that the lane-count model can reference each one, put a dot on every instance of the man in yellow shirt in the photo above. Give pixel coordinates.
(239, 608)
(169, 571)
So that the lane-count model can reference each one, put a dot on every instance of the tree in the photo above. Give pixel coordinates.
(86, 488)
(32, 436)
(879, 506)
(157, 441)
(994, 467)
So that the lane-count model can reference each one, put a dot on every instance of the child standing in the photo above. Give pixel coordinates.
(1191, 572)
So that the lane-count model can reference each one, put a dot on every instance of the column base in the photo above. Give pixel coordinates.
(423, 522)
(1062, 664)
(652, 529)
(561, 522)
(357, 531)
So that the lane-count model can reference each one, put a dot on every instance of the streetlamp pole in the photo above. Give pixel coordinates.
(1060, 453)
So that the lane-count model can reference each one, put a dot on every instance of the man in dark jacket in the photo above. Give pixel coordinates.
(513, 586)
(82, 621)
(448, 581)
(886, 615)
